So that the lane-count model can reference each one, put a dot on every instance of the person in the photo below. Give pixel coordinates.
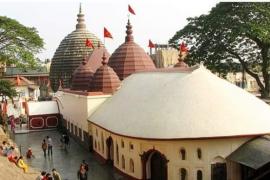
(62, 140)
(84, 163)
(47, 177)
(82, 174)
(41, 176)
(13, 159)
(12, 124)
(4, 148)
(44, 147)
(66, 139)
(56, 175)
(29, 153)
(22, 164)
(49, 142)
(10, 151)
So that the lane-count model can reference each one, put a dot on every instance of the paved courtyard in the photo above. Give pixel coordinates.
(66, 162)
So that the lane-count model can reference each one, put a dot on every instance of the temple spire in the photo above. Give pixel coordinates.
(80, 19)
(80, 9)
(104, 59)
(129, 36)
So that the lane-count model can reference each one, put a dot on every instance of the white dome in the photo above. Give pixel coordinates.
(163, 105)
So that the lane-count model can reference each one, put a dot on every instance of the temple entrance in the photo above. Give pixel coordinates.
(219, 171)
(154, 165)
(109, 150)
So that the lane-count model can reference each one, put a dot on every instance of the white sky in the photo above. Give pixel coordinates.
(157, 20)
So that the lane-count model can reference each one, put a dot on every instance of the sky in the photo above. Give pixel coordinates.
(157, 20)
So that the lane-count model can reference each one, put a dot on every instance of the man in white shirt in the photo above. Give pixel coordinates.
(49, 142)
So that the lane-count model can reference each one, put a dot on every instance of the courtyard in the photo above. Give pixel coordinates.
(66, 162)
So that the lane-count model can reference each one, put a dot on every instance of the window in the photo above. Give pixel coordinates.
(131, 147)
(98, 146)
(123, 162)
(117, 154)
(199, 175)
(183, 154)
(122, 144)
(183, 174)
(131, 165)
(96, 132)
(95, 144)
(199, 153)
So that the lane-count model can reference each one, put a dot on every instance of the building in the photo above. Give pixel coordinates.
(178, 123)
(26, 89)
(182, 125)
(70, 53)
(38, 76)
(247, 82)
(164, 56)
(42, 115)
(95, 80)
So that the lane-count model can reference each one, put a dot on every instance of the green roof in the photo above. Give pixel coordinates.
(254, 153)
(13, 71)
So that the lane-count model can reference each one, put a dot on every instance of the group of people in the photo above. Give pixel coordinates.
(9, 151)
(47, 176)
(47, 146)
(83, 171)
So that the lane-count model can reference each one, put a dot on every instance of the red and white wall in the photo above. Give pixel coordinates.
(43, 115)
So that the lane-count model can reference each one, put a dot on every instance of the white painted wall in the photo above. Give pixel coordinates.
(77, 108)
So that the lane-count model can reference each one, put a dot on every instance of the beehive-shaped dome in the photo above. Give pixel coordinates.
(130, 57)
(70, 53)
(82, 77)
(105, 79)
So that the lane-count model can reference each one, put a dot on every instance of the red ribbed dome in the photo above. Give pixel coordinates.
(181, 64)
(130, 57)
(82, 76)
(105, 79)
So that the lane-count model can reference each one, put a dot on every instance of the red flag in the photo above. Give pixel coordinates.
(18, 80)
(88, 43)
(131, 10)
(107, 34)
(183, 48)
(151, 44)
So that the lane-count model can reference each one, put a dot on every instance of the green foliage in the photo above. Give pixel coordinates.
(7, 89)
(18, 43)
(232, 33)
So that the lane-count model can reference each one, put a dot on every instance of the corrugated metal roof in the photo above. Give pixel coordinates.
(14, 71)
(254, 153)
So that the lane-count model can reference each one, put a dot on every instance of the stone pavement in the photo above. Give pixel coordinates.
(66, 162)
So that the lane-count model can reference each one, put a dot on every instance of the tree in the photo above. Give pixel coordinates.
(232, 33)
(7, 89)
(18, 43)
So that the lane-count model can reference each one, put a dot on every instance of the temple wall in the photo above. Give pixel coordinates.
(212, 151)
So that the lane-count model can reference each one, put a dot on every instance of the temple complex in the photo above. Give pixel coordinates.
(153, 120)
